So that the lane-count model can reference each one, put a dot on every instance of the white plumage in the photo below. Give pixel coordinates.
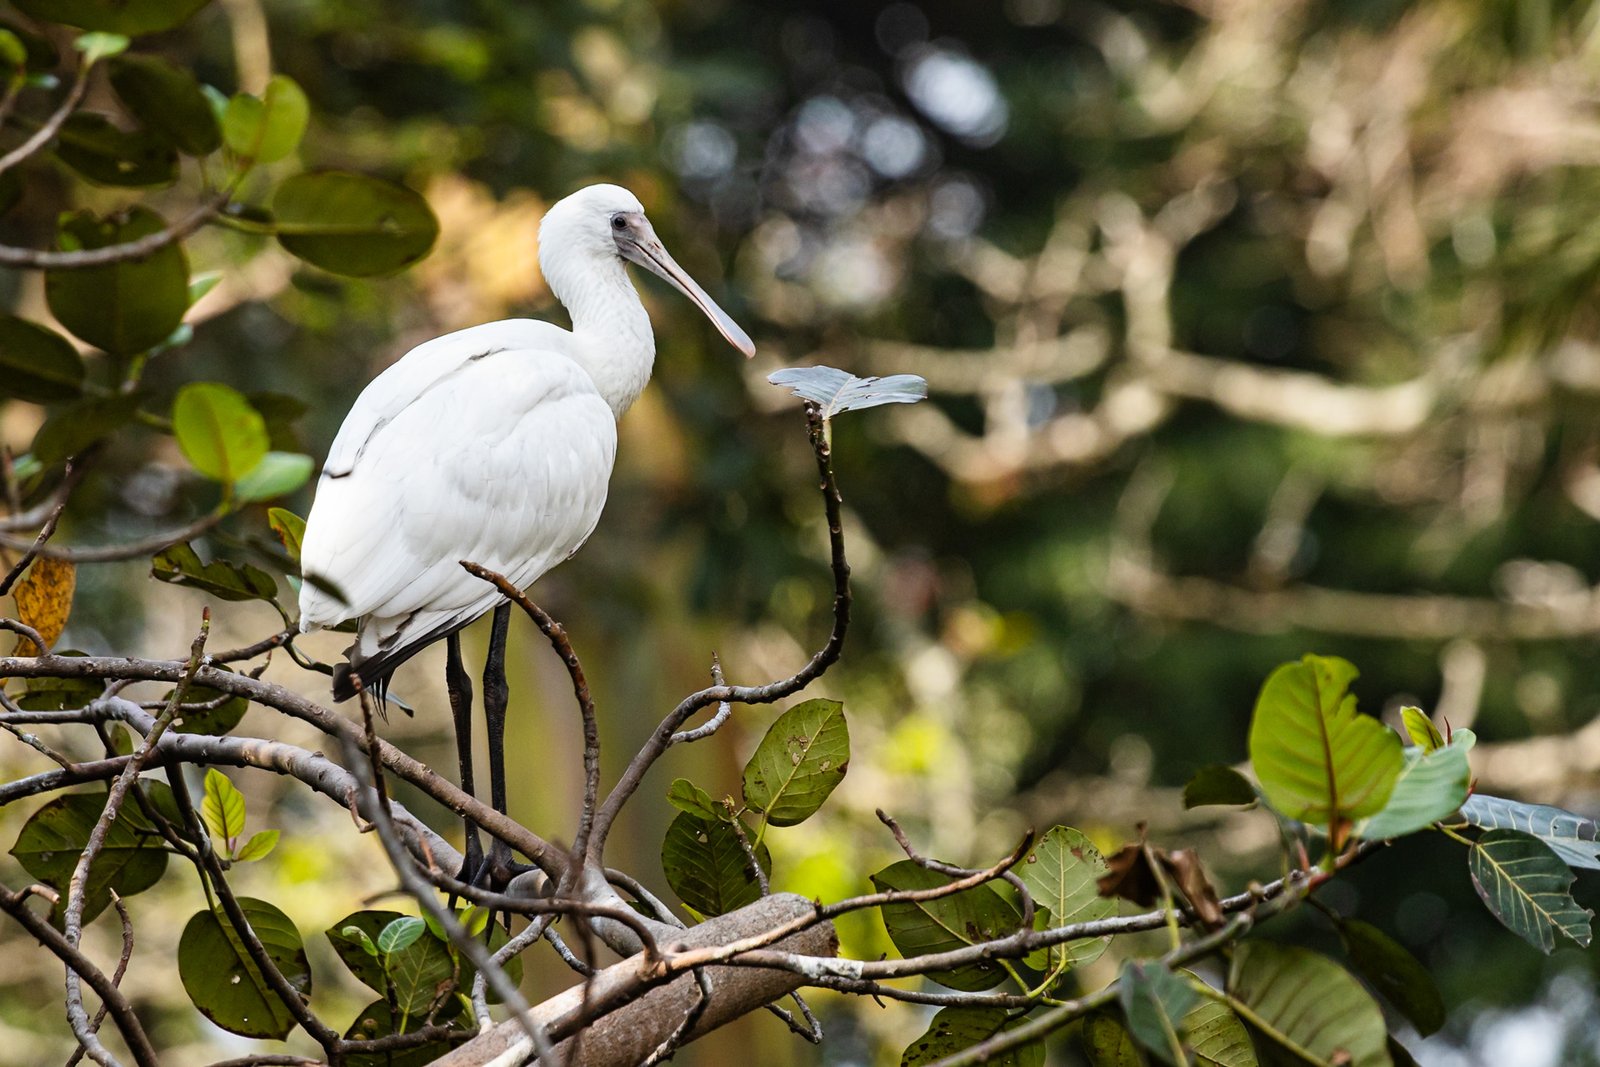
(492, 444)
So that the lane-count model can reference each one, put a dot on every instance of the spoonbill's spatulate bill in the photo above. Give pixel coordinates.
(492, 444)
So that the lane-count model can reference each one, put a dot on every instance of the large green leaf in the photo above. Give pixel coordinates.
(132, 859)
(1394, 972)
(1154, 1004)
(228, 581)
(1216, 783)
(352, 224)
(218, 431)
(216, 720)
(225, 983)
(1573, 837)
(36, 363)
(100, 150)
(1311, 1001)
(799, 762)
(124, 307)
(1107, 1043)
(132, 17)
(269, 127)
(1317, 758)
(168, 101)
(920, 928)
(377, 1020)
(707, 867)
(1062, 871)
(1528, 888)
(958, 1028)
(1431, 787)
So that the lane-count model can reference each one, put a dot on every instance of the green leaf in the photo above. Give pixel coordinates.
(1216, 783)
(920, 928)
(227, 581)
(1062, 872)
(13, 53)
(97, 46)
(1395, 973)
(1107, 1043)
(223, 806)
(352, 224)
(686, 796)
(1216, 1036)
(131, 17)
(260, 845)
(290, 528)
(201, 284)
(1527, 887)
(801, 759)
(269, 127)
(837, 391)
(277, 473)
(102, 151)
(203, 720)
(400, 933)
(359, 936)
(1154, 1002)
(354, 940)
(59, 694)
(166, 99)
(958, 1028)
(72, 429)
(706, 866)
(124, 307)
(132, 859)
(377, 1020)
(1573, 837)
(1431, 787)
(1318, 760)
(224, 982)
(1421, 729)
(1309, 1000)
(219, 432)
(36, 363)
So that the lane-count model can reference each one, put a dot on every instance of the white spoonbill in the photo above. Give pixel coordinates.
(492, 444)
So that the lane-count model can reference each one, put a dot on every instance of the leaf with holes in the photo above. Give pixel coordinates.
(1154, 1003)
(36, 363)
(225, 983)
(1394, 972)
(125, 307)
(132, 859)
(44, 600)
(1310, 1000)
(229, 581)
(799, 762)
(1216, 783)
(1574, 838)
(1528, 888)
(1431, 787)
(352, 224)
(1318, 759)
(707, 867)
(955, 1029)
(222, 807)
(836, 391)
(923, 927)
(1063, 871)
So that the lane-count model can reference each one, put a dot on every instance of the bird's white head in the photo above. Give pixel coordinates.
(607, 223)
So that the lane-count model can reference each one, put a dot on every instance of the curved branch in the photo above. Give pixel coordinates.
(82, 258)
(130, 550)
(52, 125)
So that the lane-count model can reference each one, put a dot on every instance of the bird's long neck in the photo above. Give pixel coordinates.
(611, 333)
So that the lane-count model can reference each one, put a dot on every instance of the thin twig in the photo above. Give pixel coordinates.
(116, 975)
(670, 1043)
(33, 550)
(713, 724)
(819, 663)
(52, 125)
(130, 550)
(82, 258)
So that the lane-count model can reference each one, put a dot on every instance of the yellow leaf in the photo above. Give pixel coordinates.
(44, 600)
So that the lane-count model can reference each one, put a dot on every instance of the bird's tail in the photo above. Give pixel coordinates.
(376, 668)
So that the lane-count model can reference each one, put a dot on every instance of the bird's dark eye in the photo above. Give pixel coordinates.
(618, 222)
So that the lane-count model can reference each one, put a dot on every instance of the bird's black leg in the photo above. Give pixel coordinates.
(459, 685)
(495, 696)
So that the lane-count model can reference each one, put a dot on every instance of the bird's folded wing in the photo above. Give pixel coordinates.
(503, 461)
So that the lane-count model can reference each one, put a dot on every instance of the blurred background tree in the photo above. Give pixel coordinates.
(1252, 327)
